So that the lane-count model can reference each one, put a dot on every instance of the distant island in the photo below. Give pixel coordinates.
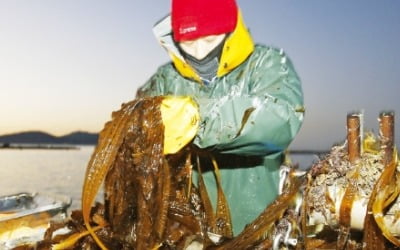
(43, 140)
(39, 139)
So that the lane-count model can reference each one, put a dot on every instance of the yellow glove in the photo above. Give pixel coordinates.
(181, 118)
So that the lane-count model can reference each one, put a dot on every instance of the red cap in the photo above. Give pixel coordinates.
(192, 19)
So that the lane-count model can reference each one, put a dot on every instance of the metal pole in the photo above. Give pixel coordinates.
(353, 137)
(386, 120)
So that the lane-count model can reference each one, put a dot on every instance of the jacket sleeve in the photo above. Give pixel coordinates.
(261, 122)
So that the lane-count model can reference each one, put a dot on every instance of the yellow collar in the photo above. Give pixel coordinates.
(238, 46)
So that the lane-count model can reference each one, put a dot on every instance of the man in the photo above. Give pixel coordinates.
(249, 96)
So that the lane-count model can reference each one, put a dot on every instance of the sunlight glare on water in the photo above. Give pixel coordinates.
(41, 170)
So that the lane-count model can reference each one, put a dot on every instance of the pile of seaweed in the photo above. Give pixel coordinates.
(150, 201)
(352, 200)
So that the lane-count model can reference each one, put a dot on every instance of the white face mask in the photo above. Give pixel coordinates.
(199, 48)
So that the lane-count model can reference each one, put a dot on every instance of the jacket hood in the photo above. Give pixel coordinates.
(238, 46)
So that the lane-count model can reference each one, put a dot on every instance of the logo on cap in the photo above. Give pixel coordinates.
(187, 29)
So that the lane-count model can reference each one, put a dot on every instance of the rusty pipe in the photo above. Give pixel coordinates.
(353, 137)
(386, 122)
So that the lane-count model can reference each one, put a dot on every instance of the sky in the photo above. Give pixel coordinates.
(65, 65)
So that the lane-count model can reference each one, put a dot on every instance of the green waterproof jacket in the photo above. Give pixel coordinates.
(249, 115)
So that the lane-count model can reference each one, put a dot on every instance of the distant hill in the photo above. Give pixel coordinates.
(38, 137)
(81, 138)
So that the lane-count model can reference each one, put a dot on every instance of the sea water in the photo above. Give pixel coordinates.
(44, 170)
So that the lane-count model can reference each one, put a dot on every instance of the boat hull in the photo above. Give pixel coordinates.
(24, 217)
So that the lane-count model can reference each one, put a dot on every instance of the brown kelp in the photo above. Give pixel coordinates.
(150, 201)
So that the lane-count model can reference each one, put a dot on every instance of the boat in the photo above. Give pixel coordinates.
(24, 217)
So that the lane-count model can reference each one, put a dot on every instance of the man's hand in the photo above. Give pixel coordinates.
(180, 115)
